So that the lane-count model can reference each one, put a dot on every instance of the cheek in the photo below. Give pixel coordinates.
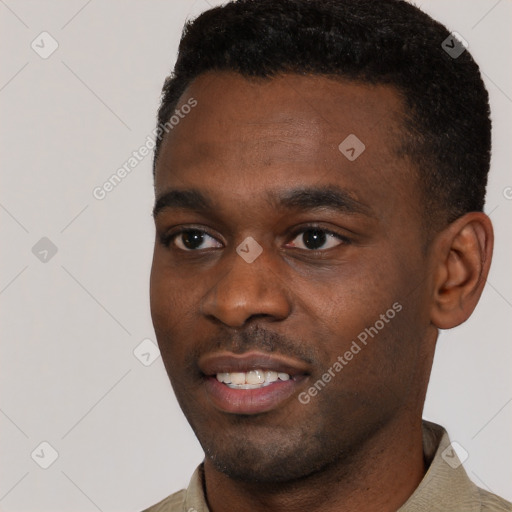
(367, 313)
(170, 291)
(349, 299)
(171, 309)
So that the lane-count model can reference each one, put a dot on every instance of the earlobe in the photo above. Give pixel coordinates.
(463, 255)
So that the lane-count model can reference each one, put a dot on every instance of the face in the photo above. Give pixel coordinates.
(290, 269)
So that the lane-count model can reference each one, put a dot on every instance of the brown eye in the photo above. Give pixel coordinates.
(192, 240)
(314, 239)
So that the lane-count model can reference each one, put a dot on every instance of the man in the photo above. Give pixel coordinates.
(320, 178)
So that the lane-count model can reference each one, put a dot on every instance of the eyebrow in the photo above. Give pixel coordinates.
(188, 199)
(316, 198)
(301, 198)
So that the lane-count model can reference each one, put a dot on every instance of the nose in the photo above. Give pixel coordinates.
(245, 290)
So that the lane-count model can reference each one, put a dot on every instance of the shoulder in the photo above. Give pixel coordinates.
(173, 503)
(492, 503)
(187, 500)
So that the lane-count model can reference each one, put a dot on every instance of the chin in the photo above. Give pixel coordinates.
(277, 471)
(265, 459)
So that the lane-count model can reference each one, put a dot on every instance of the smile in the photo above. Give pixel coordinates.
(251, 383)
(253, 379)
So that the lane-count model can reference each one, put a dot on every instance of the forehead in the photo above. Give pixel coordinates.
(290, 129)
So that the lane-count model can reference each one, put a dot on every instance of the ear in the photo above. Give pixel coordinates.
(462, 253)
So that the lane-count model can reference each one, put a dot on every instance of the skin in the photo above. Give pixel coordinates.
(357, 445)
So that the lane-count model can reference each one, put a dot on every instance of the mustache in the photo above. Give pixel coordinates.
(254, 338)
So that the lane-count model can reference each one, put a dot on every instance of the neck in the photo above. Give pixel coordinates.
(379, 478)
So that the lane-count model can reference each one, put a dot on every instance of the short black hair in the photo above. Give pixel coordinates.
(447, 125)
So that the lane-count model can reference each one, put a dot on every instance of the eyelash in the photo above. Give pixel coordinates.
(168, 238)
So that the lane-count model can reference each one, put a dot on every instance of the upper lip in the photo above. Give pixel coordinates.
(227, 362)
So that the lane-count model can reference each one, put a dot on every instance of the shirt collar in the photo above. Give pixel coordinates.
(446, 485)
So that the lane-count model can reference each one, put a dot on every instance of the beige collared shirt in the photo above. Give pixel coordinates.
(444, 488)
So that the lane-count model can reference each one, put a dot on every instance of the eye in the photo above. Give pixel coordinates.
(314, 239)
(191, 240)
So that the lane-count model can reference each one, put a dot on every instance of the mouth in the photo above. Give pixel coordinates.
(253, 379)
(250, 383)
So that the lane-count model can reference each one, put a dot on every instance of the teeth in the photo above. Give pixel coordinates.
(270, 376)
(224, 377)
(252, 379)
(255, 377)
(237, 378)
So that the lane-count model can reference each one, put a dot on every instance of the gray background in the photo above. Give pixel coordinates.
(71, 322)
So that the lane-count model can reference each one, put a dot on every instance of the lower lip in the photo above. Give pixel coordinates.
(249, 401)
